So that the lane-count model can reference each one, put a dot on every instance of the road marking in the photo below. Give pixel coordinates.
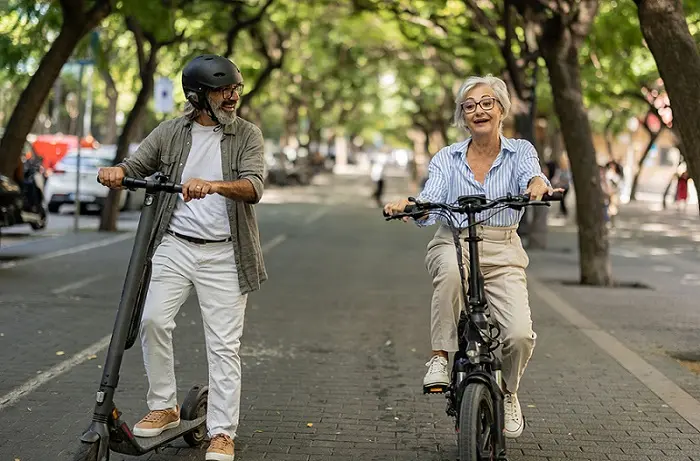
(33, 384)
(78, 284)
(54, 372)
(69, 251)
(316, 216)
(668, 391)
(273, 243)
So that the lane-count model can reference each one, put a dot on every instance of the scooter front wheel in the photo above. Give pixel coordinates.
(87, 452)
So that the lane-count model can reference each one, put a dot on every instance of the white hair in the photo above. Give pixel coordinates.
(500, 91)
(190, 111)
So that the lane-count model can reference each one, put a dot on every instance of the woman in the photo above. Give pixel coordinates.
(486, 163)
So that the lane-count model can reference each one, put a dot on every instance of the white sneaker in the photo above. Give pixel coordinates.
(514, 422)
(437, 374)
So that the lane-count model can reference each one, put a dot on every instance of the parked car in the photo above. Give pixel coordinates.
(61, 186)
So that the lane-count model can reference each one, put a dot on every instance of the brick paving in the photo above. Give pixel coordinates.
(334, 352)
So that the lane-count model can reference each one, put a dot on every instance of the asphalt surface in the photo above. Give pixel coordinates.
(335, 342)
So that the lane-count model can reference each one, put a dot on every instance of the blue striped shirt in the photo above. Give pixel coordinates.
(450, 177)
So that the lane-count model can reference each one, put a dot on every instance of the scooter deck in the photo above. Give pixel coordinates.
(145, 444)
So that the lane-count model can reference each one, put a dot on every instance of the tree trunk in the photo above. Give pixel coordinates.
(76, 23)
(608, 136)
(291, 124)
(561, 56)
(640, 164)
(534, 226)
(110, 135)
(110, 211)
(665, 30)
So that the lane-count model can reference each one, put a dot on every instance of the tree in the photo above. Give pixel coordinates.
(563, 26)
(666, 32)
(149, 41)
(78, 20)
(623, 79)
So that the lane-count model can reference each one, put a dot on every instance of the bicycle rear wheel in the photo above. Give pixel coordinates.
(476, 438)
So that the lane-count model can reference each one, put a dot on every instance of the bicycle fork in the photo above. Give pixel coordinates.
(499, 411)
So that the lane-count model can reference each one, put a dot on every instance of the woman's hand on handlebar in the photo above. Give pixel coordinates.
(538, 188)
(111, 177)
(396, 207)
(196, 188)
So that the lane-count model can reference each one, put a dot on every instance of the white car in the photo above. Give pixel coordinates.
(61, 185)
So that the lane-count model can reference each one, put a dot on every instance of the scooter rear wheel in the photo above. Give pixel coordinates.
(195, 406)
(86, 452)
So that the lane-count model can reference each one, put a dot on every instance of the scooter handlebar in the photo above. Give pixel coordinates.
(159, 184)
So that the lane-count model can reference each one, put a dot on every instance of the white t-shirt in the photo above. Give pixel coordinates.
(204, 218)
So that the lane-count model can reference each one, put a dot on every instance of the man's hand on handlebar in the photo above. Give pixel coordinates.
(111, 177)
(538, 188)
(196, 188)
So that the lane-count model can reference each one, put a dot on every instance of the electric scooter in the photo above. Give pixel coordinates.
(107, 430)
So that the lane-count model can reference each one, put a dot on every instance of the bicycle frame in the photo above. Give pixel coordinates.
(475, 360)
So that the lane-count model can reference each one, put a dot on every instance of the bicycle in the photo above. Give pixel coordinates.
(475, 393)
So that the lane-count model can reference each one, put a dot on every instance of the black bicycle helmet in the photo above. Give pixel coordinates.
(205, 73)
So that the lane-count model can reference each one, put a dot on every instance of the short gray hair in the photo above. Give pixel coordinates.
(500, 90)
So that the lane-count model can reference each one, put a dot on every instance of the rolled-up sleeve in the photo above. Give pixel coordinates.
(435, 189)
(528, 166)
(144, 162)
(252, 161)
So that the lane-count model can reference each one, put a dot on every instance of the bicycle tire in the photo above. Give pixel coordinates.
(475, 416)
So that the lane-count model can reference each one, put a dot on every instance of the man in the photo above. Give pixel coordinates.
(206, 239)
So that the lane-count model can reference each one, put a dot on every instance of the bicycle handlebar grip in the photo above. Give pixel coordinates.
(555, 197)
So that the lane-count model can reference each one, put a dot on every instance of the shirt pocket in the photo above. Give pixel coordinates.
(166, 164)
(166, 159)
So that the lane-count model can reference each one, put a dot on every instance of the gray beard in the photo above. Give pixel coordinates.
(225, 118)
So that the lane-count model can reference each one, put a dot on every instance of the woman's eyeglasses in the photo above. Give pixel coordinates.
(469, 105)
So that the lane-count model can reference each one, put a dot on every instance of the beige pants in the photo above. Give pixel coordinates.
(503, 262)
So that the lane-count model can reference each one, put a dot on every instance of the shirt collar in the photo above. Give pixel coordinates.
(507, 145)
(228, 129)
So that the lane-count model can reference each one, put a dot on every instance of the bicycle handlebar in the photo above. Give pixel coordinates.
(473, 203)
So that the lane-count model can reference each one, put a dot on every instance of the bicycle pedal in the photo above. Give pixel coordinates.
(436, 389)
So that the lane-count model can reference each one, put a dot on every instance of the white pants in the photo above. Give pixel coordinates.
(178, 266)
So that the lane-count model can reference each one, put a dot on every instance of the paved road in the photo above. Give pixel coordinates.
(336, 340)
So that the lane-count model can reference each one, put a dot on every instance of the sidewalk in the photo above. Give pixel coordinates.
(581, 403)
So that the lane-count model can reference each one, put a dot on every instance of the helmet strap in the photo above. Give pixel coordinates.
(209, 110)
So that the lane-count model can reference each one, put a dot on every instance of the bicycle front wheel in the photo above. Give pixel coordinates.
(476, 438)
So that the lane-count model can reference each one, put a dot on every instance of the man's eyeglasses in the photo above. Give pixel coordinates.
(227, 92)
(469, 105)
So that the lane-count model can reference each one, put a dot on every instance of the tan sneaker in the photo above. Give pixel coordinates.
(220, 448)
(157, 421)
